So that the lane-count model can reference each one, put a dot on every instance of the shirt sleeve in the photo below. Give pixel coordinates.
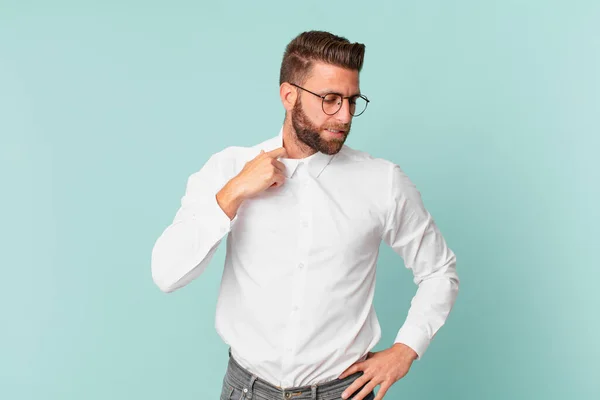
(412, 233)
(184, 249)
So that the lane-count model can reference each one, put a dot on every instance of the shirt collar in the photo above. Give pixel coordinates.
(316, 163)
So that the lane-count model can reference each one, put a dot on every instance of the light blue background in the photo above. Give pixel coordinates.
(491, 107)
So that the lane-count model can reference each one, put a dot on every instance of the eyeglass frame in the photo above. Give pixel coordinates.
(362, 96)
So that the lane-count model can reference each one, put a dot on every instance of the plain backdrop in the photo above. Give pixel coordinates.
(106, 107)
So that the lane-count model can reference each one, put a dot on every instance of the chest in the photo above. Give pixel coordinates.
(308, 214)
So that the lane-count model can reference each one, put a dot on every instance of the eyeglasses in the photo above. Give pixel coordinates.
(332, 102)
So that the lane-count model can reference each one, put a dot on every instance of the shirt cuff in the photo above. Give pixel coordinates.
(414, 338)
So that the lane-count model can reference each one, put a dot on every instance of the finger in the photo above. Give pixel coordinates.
(382, 391)
(365, 391)
(351, 369)
(277, 183)
(356, 385)
(262, 154)
(279, 165)
(277, 180)
(280, 152)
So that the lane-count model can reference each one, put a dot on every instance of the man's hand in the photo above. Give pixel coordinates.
(381, 368)
(258, 174)
(261, 173)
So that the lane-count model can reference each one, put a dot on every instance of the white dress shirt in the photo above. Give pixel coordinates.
(296, 297)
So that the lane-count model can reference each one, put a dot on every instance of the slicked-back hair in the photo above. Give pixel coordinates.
(313, 46)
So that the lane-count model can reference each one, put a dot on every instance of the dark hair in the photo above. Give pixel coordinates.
(312, 46)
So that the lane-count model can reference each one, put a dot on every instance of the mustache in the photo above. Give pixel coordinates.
(341, 127)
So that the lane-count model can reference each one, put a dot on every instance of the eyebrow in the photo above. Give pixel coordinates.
(328, 91)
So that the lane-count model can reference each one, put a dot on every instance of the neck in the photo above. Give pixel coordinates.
(294, 147)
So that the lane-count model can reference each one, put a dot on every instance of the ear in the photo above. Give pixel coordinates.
(288, 95)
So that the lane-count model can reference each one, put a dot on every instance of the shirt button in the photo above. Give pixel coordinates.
(300, 265)
(295, 308)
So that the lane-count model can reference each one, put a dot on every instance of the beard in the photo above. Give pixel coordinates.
(310, 134)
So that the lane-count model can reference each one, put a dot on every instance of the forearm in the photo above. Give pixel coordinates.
(186, 247)
(230, 198)
(430, 307)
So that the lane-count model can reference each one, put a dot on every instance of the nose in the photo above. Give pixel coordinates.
(343, 115)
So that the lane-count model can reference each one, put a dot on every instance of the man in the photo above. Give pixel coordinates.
(304, 216)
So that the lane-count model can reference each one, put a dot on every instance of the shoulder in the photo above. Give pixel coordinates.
(231, 159)
(363, 160)
(236, 154)
(379, 174)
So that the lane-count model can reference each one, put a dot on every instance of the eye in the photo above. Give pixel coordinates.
(331, 98)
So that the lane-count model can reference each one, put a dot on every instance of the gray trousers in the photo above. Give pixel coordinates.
(241, 384)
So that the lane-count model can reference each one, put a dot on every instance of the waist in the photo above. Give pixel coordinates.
(280, 372)
(239, 377)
